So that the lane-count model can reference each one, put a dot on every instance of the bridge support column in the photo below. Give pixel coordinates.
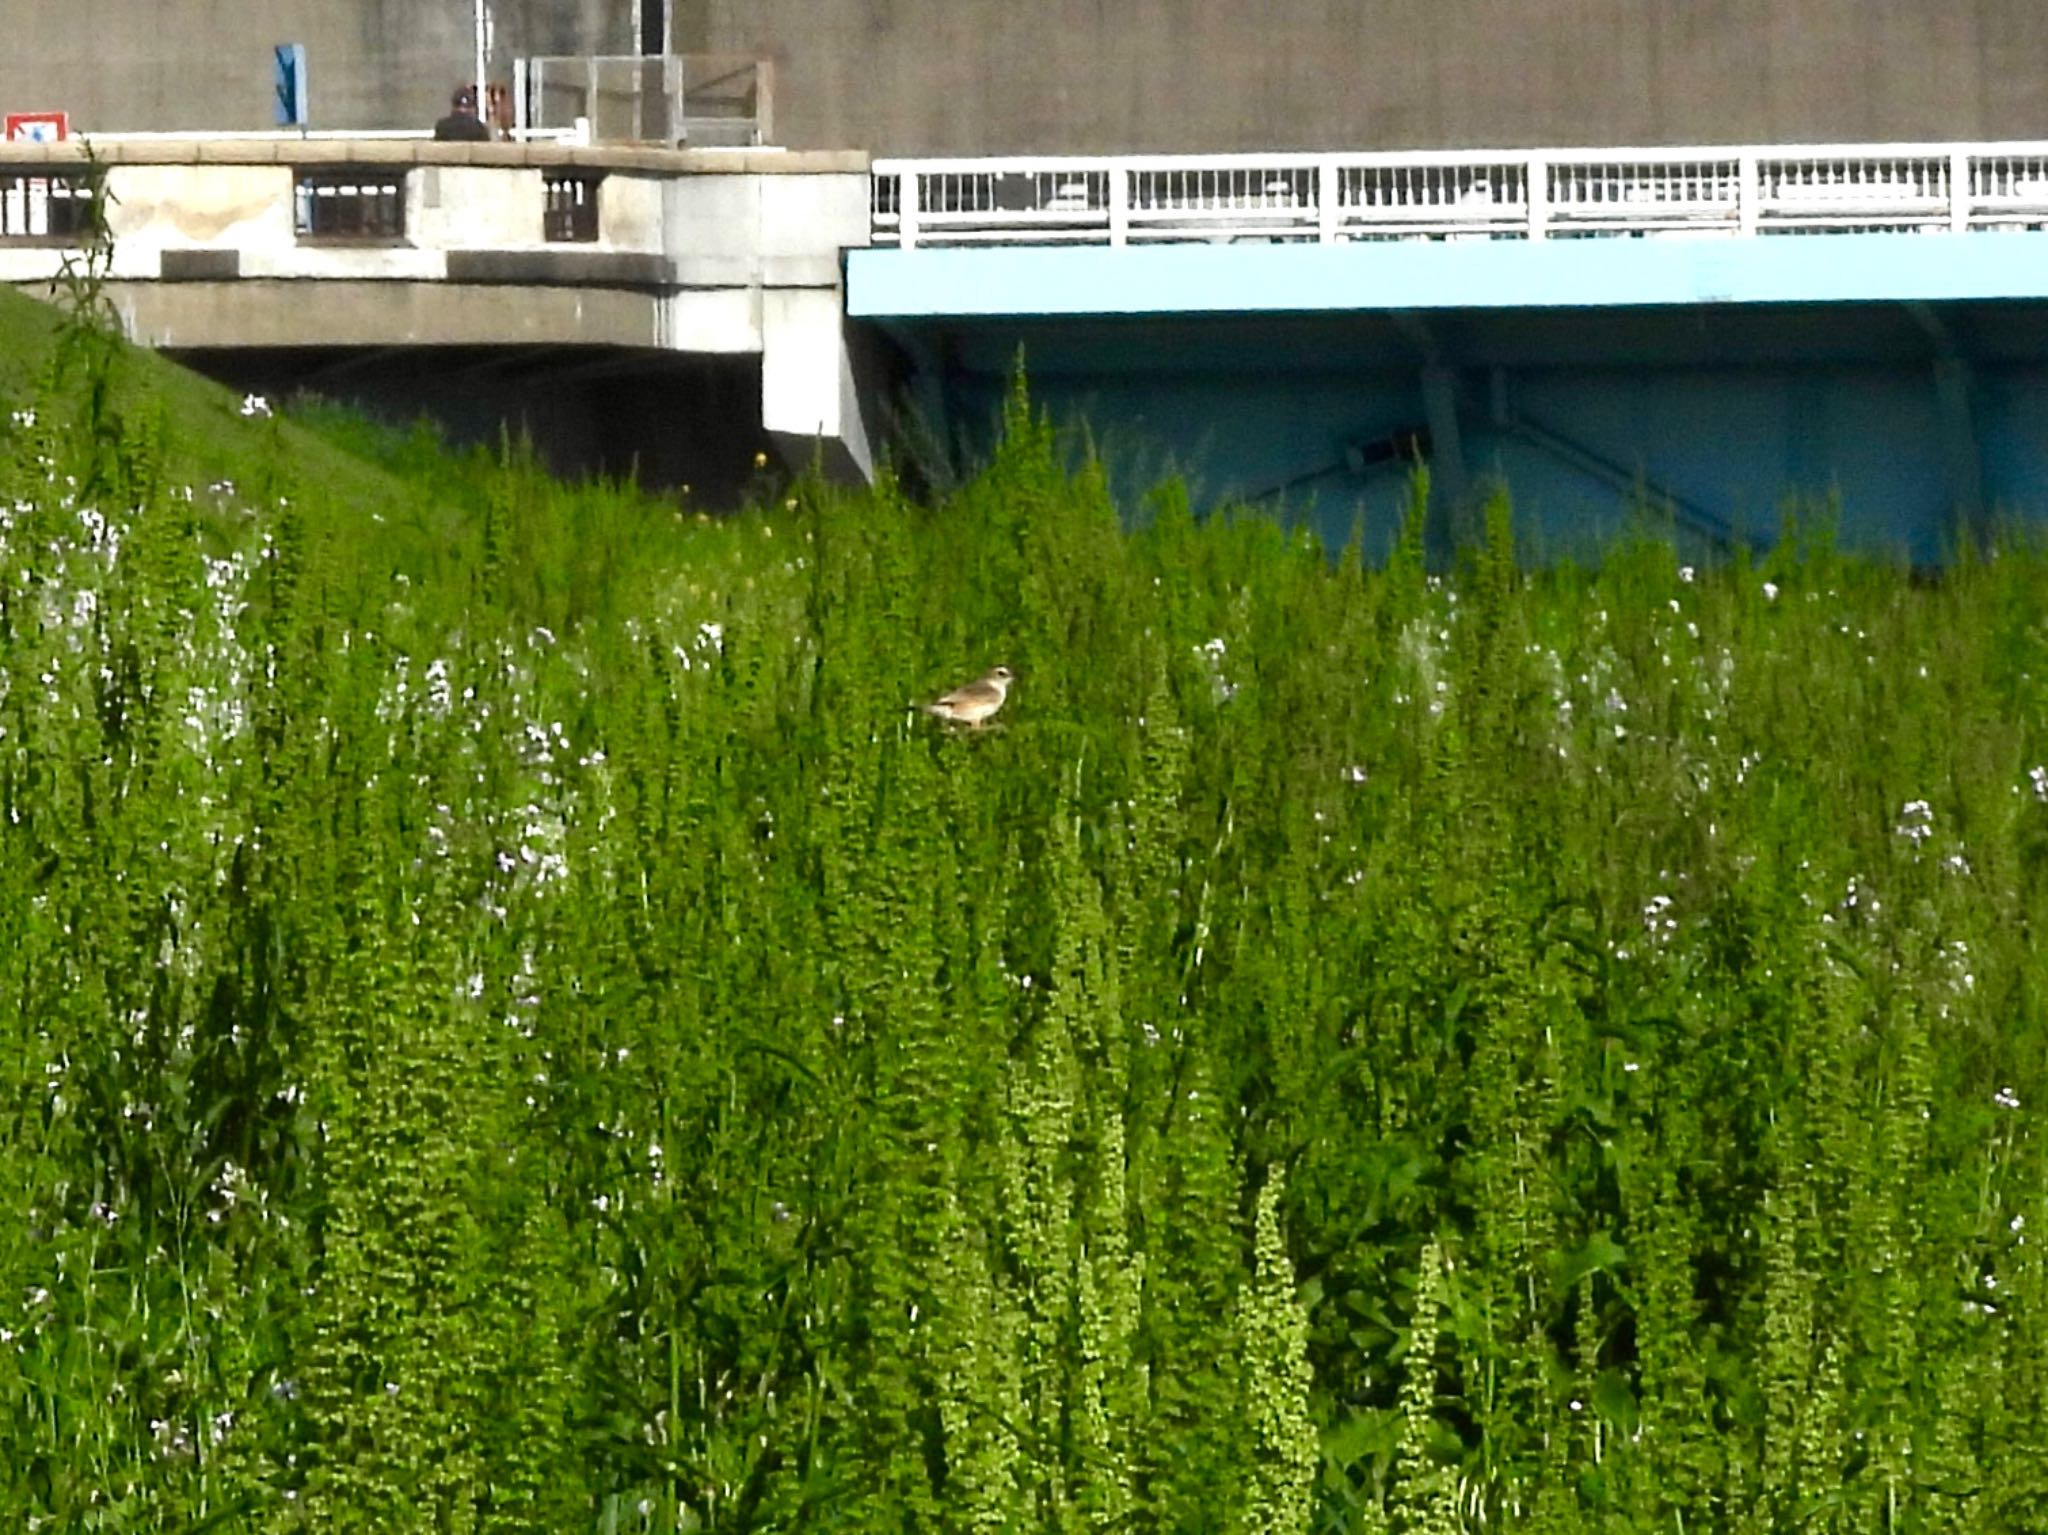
(818, 383)
(1962, 464)
(1451, 485)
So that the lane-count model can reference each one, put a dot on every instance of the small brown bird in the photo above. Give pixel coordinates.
(974, 703)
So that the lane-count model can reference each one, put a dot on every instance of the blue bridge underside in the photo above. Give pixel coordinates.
(1913, 394)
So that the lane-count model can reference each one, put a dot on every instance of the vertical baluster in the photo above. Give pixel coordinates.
(907, 208)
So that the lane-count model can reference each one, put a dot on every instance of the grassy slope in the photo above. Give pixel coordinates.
(401, 503)
(207, 437)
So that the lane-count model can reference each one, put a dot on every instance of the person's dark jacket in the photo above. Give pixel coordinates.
(465, 127)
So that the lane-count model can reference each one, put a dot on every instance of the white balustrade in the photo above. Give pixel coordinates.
(1462, 195)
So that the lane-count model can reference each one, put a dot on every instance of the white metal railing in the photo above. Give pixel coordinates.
(1462, 195)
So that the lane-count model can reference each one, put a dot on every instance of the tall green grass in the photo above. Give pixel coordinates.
(514, 1021)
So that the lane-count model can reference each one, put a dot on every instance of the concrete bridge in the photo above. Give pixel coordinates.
(1709, 328)
(550, 256)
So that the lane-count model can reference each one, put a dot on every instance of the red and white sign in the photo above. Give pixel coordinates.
(37, 127)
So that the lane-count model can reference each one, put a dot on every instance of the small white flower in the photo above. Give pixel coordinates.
(1685, 573)
(1770, 591)
(255, 405)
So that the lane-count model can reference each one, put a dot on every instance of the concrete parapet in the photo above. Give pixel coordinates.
(270, 149)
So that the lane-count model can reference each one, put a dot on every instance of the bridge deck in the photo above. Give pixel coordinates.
(1535, 228)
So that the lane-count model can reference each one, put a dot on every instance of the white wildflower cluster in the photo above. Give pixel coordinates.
(1419, 665)
(538, 858)
(2038, 777)
(525, 989)
(255, 405)
(227, 1189)
(170, 1440)
(394, 700)
(1916, 821)
(1211, 654)
(1658, 922)
(440, 695)
(1962, 969)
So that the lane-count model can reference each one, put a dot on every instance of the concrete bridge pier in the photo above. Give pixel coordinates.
(820, 384)
(774, 235)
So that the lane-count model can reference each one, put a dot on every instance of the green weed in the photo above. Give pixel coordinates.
(515, 1021)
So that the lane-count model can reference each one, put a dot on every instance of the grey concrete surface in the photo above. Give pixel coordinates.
(985, 76)
(120, 65)
(1101, 76)
(259, 312)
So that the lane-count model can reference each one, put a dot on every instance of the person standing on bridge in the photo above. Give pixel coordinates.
(462, 124)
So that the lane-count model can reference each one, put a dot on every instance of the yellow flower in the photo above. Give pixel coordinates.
(760, 461)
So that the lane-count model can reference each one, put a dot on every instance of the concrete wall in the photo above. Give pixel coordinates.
(993, 76)
(118, 65)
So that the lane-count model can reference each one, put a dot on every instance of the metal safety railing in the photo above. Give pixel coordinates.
(700, 100)
(1461, 195)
